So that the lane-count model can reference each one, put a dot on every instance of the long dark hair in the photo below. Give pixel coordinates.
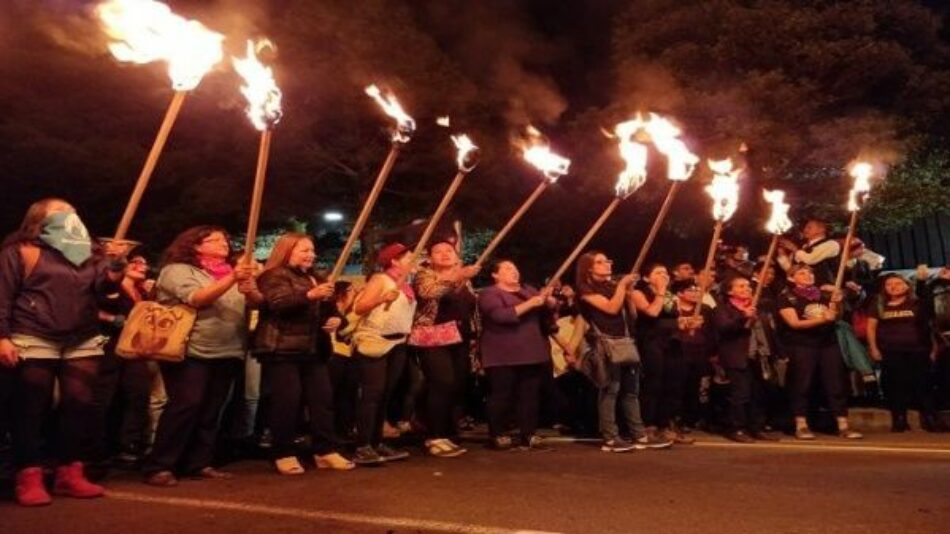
(32, 224)
(182, 249)
(583, 280)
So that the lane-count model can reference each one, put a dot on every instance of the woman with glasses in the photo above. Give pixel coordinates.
(196, 272)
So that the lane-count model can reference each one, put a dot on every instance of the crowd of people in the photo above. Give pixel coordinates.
(283, 360)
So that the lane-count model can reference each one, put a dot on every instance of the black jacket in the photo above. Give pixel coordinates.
(58, 301)
(290, 323)
(734, 336)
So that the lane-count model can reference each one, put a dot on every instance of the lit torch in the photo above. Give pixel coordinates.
(538, 153)
(724, 191)
(143, 31)
(861, 171)
(778, 224)
(628, 181)
(466, 160)
(402, 134)
(263, 99)
(680, 166)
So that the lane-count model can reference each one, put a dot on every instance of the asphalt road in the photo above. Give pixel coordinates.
(884, 484)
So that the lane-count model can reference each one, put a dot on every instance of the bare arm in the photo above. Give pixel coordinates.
(790, 316)
(874, 349)
(650, 308)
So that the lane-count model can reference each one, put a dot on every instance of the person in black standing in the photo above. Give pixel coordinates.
(292, 341)
(698, 342)
(899, 337)
(124, 385)
(742, 342)
(808, 317)
(661, 354)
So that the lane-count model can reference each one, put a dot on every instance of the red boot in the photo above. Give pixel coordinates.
(29, 488)
(71, 482)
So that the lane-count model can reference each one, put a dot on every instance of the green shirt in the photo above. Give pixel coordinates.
(220, 329)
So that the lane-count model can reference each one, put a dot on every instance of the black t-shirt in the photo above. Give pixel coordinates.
(664, 324)
(608, 324)
(816, 336)
(901, 327)
(458, 305)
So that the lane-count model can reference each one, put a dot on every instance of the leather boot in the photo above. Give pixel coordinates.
(71, 482)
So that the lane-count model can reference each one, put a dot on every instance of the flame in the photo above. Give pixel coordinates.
(144, 31)
(635, 154)
(778, 223)
(724, 189)
(861, 172)
(537, 152)
(466, 152)
(444, 121)
(665, 135)
(405, 125)
(263, 95)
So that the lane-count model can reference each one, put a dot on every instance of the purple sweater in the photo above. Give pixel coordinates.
(58, 302)
(506, 338)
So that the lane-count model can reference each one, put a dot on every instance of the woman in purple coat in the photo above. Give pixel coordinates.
(515, 352)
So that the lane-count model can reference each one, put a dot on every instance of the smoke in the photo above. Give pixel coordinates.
(494, 43)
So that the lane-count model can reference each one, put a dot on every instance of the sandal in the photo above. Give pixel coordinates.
(333, 461)
(288, 465)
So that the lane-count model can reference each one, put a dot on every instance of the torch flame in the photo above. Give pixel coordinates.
(144, 31)
(466, 152)
(724, 189)
(405, 125)
(634, 174)
(778, 223)
(537, 152)
(260, 89)
(665, 135)
(861, 172)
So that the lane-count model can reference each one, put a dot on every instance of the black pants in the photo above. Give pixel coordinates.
(378, 379)
(7, 381)
(826, 361)
(290, 383)
(664, 380)
(33, 397)
(446, 371)
(514, 388)
(344, 377)
(746, 398)
(942, 376)
(197, 390)
(905, 377)
(122, 397)
(696, 367)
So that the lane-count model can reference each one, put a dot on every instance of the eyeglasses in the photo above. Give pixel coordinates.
(139, 262)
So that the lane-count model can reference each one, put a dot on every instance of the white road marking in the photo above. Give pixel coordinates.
(823, 447)
(319, 515)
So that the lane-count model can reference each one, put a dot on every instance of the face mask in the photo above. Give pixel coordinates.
(66, 233)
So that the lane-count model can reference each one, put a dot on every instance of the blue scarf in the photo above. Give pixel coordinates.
(66, 233)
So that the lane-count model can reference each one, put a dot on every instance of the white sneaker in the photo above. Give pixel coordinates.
(444, 448)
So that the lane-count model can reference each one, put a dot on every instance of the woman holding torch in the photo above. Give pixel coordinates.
(808, 317)
(443, 331)
(386, 307)
(663, 365)
(608, 307)
(196, 272)
(293, 344)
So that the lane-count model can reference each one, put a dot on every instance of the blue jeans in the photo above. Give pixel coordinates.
(625, 384)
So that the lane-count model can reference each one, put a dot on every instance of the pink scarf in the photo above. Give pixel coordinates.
(741, 304)
(215, 267)
(403, 286)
